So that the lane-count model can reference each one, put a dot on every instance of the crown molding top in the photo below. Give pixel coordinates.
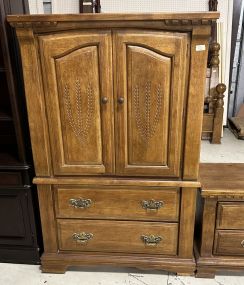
(195, 18)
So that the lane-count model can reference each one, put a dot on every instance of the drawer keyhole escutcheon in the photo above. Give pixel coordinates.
(80, 203)
(242, 243)
(82, 238)
(151, 240)
(152, 205)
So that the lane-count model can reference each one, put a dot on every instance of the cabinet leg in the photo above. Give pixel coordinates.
(205, 273)
(54, 268)
(185, 273)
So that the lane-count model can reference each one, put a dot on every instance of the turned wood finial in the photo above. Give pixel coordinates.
(220, 88)
(214, 58)
(213, 5)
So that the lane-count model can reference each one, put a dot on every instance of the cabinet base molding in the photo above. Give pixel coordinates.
(60, 262)
(207, 267)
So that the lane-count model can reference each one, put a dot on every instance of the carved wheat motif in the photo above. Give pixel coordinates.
(81, 125)
(145, 123)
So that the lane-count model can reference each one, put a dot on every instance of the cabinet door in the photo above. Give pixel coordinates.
(150, 88)
(76, 69)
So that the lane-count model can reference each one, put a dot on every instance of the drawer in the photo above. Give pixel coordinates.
(10, 178)
(118, 236)
(229, 242)
(230, 215)
(123, 204)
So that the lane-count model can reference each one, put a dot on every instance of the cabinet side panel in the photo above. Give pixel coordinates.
(198, 68)
(208, 227)
(35, 102)
(48, 221)
(187, 221)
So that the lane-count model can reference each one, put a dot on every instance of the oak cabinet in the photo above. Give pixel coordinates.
(116, 141)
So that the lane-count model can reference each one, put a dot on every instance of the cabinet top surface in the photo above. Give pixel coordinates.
(193, 16)
(222, 178)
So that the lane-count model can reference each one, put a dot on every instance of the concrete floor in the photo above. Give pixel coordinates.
(11, 274)
(231, 150)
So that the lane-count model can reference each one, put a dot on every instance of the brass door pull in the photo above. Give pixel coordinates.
(82, 238)
(104, 100)
(151, 240)
(151, 205)
(121, 100)
(80, 203)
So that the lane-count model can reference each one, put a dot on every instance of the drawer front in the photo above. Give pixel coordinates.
(10, 178)
(229, 242)
(158, 205)
(230, 215)
(118, 236)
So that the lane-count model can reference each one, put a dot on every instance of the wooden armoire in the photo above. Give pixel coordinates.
(115, 111)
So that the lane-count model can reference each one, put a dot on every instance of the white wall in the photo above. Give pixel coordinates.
(36, 7)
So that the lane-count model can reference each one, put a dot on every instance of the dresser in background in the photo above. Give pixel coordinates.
(115, 111)
(220, 224)
(18, 197)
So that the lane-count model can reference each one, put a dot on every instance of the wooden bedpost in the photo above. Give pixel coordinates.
(219, 112)
(214, 103)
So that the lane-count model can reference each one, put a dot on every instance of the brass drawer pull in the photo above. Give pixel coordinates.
(151, 240)
(82, 238)
(80, 203)
(242, 243)
(152, 205)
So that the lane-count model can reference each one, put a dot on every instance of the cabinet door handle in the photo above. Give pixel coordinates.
(151, 240)
(152, 205)
(104, 100)
(121, 100)
(82, 238)
(242, 243)
(80, 203)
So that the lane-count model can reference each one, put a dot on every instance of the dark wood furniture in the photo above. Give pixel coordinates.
(18, 235)
(220, 226)
(117, 138)
(214, 98)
